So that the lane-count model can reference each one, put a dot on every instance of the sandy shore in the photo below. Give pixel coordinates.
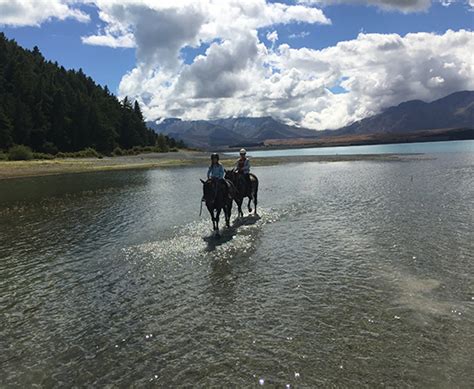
(16, 169)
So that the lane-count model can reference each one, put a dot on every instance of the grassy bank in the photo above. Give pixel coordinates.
(15, 169)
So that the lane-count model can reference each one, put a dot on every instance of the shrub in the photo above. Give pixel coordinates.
(3, 156)
(174, 150)
(86, 153)
(42, 156)
(117, 152)
(89, 153)
(20, 153)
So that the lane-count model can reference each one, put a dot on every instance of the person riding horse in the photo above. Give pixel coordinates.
(218, 193)
(216, 170)
(242, 167)
(245, 183)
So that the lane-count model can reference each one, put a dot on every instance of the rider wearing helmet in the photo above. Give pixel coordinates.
(242, 167)
(216, 173)
(216, 170)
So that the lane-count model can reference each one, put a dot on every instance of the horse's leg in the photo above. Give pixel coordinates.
(239, 206)
(216, 220)
(218, 213)
(252, 196)
(248, 205)
(211, 212)
(227, 211)
(226, 216)
(255, 202)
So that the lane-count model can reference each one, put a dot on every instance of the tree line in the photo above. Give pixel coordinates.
(51, 109)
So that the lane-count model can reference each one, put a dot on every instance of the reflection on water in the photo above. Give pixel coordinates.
(354, 274)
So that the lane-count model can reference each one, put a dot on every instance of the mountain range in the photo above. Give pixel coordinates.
(455, 111)
(243, 131)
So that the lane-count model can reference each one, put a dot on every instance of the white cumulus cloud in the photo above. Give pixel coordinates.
(162, 28)
(36, 12)
(242, 77)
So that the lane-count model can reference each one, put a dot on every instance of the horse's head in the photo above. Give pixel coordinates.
(230, 175)
(209, 190)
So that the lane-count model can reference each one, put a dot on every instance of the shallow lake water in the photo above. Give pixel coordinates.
(354, 274)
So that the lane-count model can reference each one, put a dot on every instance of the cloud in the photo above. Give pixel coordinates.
(447, 3)
(405, 6)
(242, 77)
(272, 37)
(223, 71)
(302, 34)
(161, 29)
(35, 12)
(382, 70)
(126, 41)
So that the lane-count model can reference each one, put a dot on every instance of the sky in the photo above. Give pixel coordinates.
(319, 64)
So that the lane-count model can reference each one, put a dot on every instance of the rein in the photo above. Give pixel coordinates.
(200, 209)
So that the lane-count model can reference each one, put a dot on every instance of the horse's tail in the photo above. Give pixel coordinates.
(255, 180)
(255, 192)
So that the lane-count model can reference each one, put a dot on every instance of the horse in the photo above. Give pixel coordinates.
(218, 195)
(243, 190)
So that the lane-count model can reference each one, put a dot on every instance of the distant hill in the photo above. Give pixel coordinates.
(453, 111)
(228, 132)
(408, 121)
(51, 109)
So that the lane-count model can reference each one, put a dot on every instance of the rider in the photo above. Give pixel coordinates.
(242, 166)
(216, 170)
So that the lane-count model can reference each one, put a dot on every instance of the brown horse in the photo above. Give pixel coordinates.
(218, 195)
(243, 189)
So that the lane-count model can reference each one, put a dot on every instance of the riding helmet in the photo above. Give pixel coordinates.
(243, 151)
(214, 155)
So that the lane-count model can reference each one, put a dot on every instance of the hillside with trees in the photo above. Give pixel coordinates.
(50, 109)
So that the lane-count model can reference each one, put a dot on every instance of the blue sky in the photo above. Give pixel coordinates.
(213, 79)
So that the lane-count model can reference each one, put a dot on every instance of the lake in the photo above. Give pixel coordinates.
(355, 274)
(465, 146)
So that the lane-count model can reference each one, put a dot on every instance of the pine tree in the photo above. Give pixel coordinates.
(138, 111)
(6, 130)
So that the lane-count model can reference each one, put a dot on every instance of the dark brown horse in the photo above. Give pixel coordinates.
(244, 189)
(218, 195)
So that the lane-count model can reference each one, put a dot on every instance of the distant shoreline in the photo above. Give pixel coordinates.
(441, 135)
(37, 168)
